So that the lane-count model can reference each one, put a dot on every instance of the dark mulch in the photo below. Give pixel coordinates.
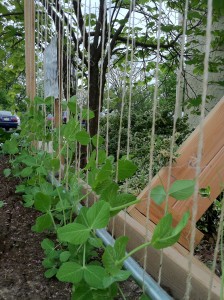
(21, 271)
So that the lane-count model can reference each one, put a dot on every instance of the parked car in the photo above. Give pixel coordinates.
(18, 119)
(8, 120)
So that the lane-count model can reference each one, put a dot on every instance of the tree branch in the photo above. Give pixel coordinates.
(81, 23)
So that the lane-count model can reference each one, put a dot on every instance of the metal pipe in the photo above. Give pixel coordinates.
(150, 286)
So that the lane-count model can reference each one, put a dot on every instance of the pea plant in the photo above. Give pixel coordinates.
(73, 252)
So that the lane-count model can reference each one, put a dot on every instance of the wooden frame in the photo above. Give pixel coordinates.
(212, 174)
(175, 262)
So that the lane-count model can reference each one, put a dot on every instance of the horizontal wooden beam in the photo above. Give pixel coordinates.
(174, 265)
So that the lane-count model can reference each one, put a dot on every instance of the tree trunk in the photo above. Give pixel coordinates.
(94, 94)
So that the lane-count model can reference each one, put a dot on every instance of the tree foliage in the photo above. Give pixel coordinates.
(103, 32)
(12, 52)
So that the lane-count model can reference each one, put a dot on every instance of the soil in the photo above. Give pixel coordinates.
(21, 270)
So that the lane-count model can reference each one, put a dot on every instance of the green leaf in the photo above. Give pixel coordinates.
(73, 233)
(126, 169)
(42, 202)
(120, 246)
(122, 199)
(96, 242)
(7, 172)
(20, 188)
(94, 275)
(26, 172)
(97, 139)
(109, 259)
(120, 276)
(83, 137)
(110, 192)
(82, 216)
(42, 223)
(49, 100)
(47, 244)
(105, 172)
(38, 100)
(41, 170)
(30, 161)
(101, 156)
(87, 114)
(182, 189)
(70, 272)
(113, 254)
(70, 130)
(50, 273)
(98, 215)
(48, 263)
(72, 104)
(158, 194)
(165, 235)
(10, 147)
(64, 256)
(55, 164)
(2, 204)
(82, 292)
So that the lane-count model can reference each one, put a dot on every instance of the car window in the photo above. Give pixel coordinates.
(5, 113)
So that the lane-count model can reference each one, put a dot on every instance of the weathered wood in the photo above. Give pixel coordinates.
(175, 262)
(29, 19)
(212, 171)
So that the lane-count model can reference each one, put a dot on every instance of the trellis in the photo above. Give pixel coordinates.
(141, 219)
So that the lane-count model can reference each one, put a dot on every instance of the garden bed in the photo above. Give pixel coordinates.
(21, 255)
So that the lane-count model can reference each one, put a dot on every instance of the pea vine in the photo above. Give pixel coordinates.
(73, 252)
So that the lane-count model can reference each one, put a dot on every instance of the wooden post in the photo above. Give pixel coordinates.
(29, 18)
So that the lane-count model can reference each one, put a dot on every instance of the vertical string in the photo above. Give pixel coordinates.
(108, 79)
(132, 33)
(124, 89)
(88, 99)
(216, 251)
(68, 81)
(82, 90)
(76, 85)
(155, 101)
(178, 91)
(200, 147)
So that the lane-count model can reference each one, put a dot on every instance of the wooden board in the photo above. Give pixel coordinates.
(29, 18)
(212, 171)
(174, 265)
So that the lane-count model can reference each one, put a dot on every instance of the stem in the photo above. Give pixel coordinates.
(124, 205)
(84, 256)
(121, 292)
(52, 218)
(63, 210)
(133, 252)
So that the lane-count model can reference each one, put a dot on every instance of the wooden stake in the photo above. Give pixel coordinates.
(29, 18)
